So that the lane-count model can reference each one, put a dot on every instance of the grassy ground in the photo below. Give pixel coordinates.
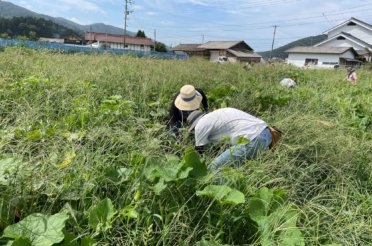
(79, 135)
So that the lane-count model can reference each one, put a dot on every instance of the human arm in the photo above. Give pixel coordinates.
(174, 115)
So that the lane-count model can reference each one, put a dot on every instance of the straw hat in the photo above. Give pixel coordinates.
(194, 118)
(188, 99)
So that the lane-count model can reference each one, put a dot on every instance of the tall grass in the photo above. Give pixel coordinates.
(82, 127)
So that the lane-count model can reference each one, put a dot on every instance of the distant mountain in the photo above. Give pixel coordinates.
(10, 10)
(32, 28)
(280, 52)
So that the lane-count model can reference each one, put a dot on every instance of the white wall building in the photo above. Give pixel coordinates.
(321, 57)
(352, 33)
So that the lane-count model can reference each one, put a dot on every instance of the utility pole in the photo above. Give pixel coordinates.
(203, 39)
(272, 45)
(155, 40)
(126, 13)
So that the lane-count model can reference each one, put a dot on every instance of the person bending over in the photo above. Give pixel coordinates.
(233, 124)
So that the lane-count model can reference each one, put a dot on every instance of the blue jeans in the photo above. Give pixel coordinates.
(238, 153)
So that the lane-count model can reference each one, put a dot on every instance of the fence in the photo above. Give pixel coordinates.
(70, 48)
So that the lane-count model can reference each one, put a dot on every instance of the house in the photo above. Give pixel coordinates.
(351, 33)
(117, 41)
(335, 50)
(322, 57)
(73, 39)
(234, 51)
(191, 50)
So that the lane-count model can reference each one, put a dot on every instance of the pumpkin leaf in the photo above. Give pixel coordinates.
(223, 194)
(101, 215)
(39, 229)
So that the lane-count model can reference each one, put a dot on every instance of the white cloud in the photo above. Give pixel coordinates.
(151, 13)
(137, 7)
(84, 5)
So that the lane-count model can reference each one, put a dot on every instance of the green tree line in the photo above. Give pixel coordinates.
(32, 28)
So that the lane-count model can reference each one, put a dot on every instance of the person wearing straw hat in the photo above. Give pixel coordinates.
(233, 124)
(187, 100)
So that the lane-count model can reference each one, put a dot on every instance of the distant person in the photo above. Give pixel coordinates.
(352, 76)
(287, 82)
(233, 124)
(186, 100)
(247, 66)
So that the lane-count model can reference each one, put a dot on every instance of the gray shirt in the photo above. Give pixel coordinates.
(227, 122)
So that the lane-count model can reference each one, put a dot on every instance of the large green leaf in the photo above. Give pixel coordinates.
(223, 194)
(192, 159)
(101, 215)
(256, 209)
(40, 229)
(167, 170)
(291, 237)
(8, 167)
(267, 208)
(22, 241)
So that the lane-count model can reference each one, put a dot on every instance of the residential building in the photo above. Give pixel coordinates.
(234, 51)
(117, 41)
(220, 51)
(190, 49)
(351, 33)
(325, 57)
(335, 50)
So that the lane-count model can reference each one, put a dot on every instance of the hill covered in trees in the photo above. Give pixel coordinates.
(32, 28)
(10, 10)
(280, 52)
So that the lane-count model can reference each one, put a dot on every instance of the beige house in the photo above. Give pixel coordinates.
(231, 51)
(190, 49)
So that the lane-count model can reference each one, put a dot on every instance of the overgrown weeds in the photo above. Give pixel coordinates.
(83, 146)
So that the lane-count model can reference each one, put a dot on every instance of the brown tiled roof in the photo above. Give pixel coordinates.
(187, 47)
(325, 50)
(248, 54)
(103, 37)
(223, 45)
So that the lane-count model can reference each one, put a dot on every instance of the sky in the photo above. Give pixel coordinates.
(197, 21)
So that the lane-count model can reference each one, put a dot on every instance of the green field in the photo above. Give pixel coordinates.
(85, 157)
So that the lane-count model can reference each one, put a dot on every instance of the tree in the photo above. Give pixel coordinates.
(32, 36)
(141, 34)
(160, 47)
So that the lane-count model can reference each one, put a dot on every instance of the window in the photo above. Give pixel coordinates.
(341, 38)
(351, 23)
(330, 63)
(311, 61)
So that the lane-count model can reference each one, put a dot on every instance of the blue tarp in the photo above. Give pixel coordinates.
(70, 48)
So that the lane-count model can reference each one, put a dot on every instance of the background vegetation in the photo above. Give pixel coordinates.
(32, 28)
(280, 52)
(85, 156)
